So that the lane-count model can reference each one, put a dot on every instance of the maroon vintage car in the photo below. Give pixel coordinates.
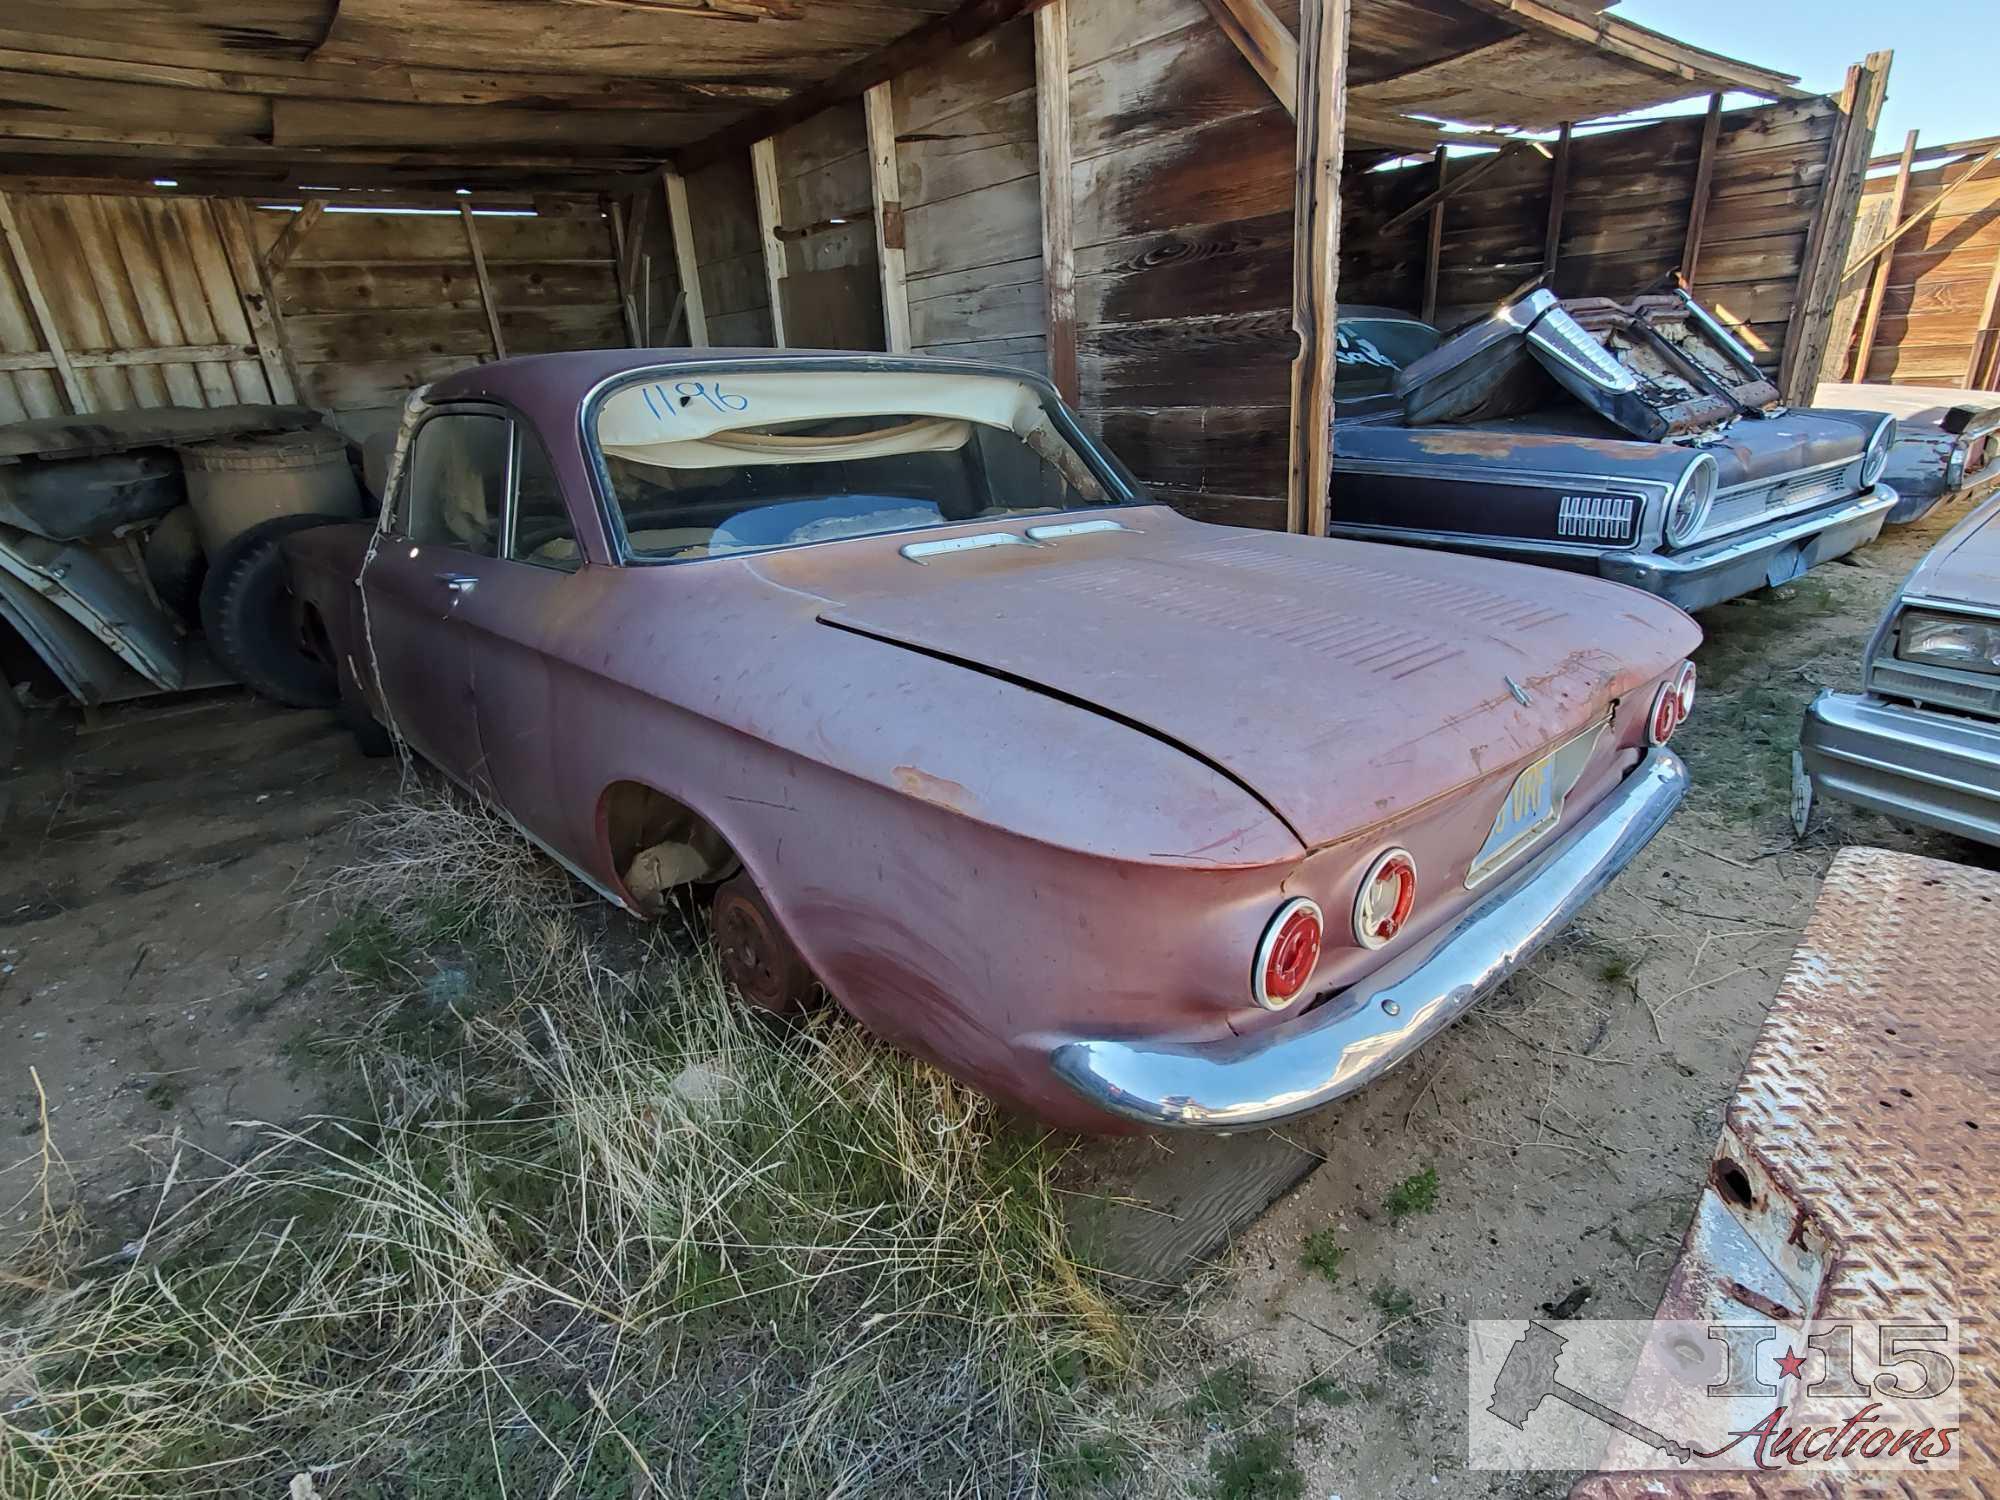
(1119, 816)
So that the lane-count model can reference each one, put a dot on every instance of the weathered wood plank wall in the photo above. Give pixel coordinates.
(967, 167)
(833, 283)
(142, 303)
(729, 254)
(1629, 198)
(374, 303)
(1939, 273)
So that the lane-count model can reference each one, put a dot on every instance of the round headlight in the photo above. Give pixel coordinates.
(1877, 458)
(1687, 507)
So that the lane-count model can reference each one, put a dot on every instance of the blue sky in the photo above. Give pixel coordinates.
(1941, 83)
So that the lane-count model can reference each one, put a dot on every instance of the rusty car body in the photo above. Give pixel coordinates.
(1127, 819)
(1637, 441)
(1921, 740)
(1947, 441)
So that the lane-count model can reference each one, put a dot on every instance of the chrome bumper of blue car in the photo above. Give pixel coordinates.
(1357, 1036)
(1940, 770)
(1702, 576)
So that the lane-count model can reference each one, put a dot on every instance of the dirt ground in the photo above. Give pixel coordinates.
(156, 942)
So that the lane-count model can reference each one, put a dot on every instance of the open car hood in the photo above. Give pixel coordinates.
(1341, 683)
(1657, 366)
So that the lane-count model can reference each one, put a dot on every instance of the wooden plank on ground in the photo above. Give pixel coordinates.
(1316, 260)
(878, 107)
(1058, 223)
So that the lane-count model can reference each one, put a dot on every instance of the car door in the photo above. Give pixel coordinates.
(529, 604)
(440, 541)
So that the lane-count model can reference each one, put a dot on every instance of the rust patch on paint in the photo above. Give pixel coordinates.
(941, 791)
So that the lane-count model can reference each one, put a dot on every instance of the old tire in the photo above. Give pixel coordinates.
(758, 959)
(257, 628)
(176, 563)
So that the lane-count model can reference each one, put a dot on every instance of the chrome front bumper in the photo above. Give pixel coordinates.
(1931, 768)
(1357, 1036)
(1702, 576)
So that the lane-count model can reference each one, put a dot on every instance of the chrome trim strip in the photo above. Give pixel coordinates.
(1351, 1040)
(916, 552)
(1072, 528)
(1701, 559)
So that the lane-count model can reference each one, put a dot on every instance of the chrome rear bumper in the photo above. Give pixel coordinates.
(1702, 576)
(1937, 769)
(1354, 1038)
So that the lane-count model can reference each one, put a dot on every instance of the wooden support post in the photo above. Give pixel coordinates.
(287, 243)
(1878, 285)
(1322, 100)
(764, 170)
(1434, 249)
(686, 269)
(1811, 325)
(45, 322)
(878, 108)
(1704, 178)
(485, 285)
(1058, 232)
(1983, 334)
(621, 252)
(1558, 200)
(260, 309)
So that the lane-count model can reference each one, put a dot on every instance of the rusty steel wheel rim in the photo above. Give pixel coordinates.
(755, 955)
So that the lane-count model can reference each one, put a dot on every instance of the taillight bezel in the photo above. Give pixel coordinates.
(1267, 946)
(1406, 903)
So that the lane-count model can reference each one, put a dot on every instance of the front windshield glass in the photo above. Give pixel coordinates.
(1370, 352)
(718, 462)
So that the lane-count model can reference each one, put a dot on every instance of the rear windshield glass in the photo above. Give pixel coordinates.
(1368, 353)
(712, 464)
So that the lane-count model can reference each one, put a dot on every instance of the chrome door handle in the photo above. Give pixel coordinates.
(458, 583)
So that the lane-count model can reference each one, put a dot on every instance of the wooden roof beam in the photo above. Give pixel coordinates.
(1580, 23)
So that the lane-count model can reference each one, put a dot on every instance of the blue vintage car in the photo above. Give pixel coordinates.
(1636, 440)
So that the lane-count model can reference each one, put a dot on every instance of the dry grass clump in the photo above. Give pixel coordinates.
(619, 1238)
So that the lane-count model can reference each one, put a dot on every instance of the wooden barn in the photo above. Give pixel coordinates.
(1920, 297)
(1155, 201)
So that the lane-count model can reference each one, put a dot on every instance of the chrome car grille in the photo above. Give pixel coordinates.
(1595, 518)
(1751, 504)
(1899, 679)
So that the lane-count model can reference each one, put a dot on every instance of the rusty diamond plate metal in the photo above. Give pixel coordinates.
(1861, 1157)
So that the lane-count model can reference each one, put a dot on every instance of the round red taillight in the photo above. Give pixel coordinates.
(1288, 954)
(1387, 896)
(1684, 690)
(1667, 715)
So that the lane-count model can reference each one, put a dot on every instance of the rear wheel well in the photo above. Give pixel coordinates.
(658, 843)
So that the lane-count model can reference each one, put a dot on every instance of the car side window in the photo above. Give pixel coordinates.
(455, 494)
(543, 532)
